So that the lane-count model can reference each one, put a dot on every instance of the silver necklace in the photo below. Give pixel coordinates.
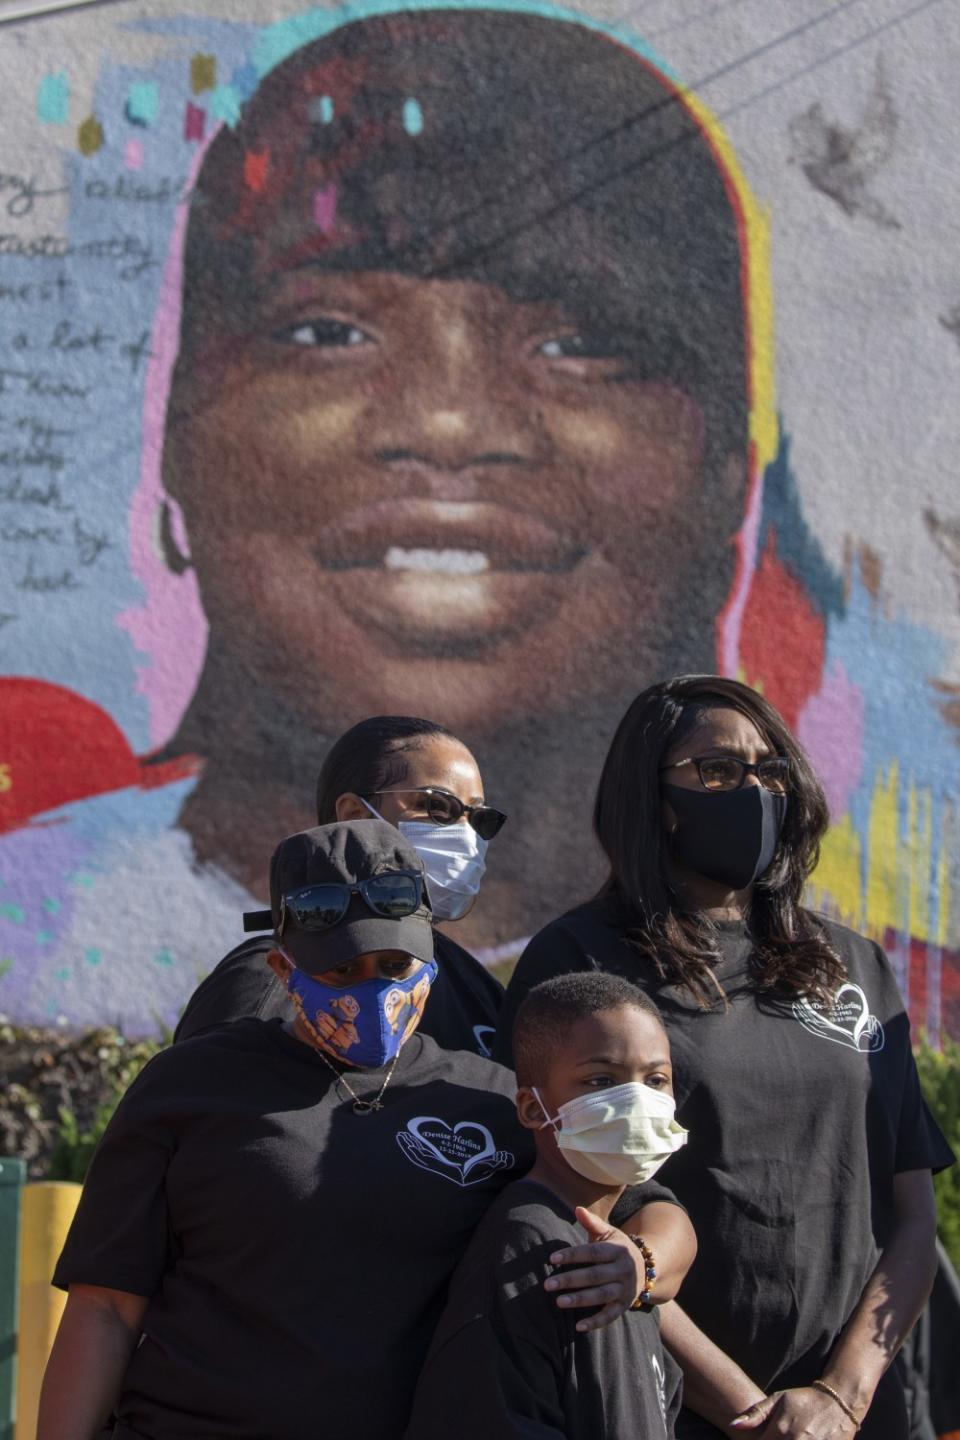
(361, 1107)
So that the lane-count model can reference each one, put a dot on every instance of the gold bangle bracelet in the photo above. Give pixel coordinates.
(838, 1399)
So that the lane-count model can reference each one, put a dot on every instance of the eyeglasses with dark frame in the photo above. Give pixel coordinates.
(445, 808)
(728, 772)
(392, 894)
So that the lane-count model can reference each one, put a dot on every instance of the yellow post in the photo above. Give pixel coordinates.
(48, 1209)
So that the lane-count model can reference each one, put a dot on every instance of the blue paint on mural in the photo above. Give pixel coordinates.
(797, 546)
(143, 103)
(53, 99)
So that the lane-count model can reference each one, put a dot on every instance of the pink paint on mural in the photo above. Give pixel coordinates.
(194, 122)
(831, 728)
(730, 620)
(170, 628)
(325, 208)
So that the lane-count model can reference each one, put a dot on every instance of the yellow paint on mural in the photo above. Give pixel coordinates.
(902, 874)
(948, 847)
(764, 430)
(203, 73)
(882, 910)
(90, 136)
(836, 884)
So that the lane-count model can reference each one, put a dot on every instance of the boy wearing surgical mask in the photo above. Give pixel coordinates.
(595, 1088)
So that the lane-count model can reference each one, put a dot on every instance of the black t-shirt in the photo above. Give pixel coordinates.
(507, 1364)
(799, 1119)
(461, 1013)
(295, 1254)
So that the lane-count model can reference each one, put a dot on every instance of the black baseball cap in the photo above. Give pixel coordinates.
(343, 854)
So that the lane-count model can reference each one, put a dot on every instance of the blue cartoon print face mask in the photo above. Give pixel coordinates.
(364, 1024)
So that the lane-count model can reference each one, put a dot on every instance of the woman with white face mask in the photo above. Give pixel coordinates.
(419, 777)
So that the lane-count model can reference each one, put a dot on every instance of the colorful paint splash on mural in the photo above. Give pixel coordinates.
(272, 343)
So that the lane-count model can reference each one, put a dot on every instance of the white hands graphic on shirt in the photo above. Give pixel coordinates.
(847, 1021)
(661, 1384)
(463, 1153)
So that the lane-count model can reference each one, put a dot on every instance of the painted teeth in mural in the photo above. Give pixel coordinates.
(423, 361)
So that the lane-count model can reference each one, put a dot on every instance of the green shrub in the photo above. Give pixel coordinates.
(58, 1091)
(120, 1062)
(940, 1078)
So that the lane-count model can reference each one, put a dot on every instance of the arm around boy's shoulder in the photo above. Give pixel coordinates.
(507, 1362)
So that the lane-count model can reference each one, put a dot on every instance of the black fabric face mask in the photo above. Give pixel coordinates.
(729, 836)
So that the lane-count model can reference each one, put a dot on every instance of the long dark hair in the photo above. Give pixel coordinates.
(791, 952)
(370, 757)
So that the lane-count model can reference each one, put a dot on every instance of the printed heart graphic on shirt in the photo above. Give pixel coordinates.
(848, 1021)
(464, 1152)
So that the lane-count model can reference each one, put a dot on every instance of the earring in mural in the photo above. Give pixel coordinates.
(172, 540)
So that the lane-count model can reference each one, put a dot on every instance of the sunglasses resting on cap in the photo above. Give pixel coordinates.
(392, 894)
(347, 889)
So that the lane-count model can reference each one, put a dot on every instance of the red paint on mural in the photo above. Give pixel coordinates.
(782, 642)
(57, 747)
(950, 993)
(255, 164)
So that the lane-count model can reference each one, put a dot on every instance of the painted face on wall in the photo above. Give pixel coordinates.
(425, 445)
(410, 470)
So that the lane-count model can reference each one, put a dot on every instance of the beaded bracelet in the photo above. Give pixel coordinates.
(838, 1399)
(644, 1300)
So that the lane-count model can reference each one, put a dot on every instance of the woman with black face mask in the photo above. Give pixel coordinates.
(808, 1170)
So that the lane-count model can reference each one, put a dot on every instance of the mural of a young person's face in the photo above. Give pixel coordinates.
(402, 474)
(453, 457)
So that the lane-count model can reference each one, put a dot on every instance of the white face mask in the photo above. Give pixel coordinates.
(454, 858)
(619, 1136)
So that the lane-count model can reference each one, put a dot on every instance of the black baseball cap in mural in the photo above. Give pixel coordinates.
(339, 891)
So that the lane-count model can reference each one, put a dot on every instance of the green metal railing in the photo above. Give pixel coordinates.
(13, 1173)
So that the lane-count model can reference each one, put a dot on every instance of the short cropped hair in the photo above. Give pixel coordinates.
(549, 1012)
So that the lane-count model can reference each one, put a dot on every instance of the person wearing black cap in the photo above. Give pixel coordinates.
(275, 1209)
(418, 776)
